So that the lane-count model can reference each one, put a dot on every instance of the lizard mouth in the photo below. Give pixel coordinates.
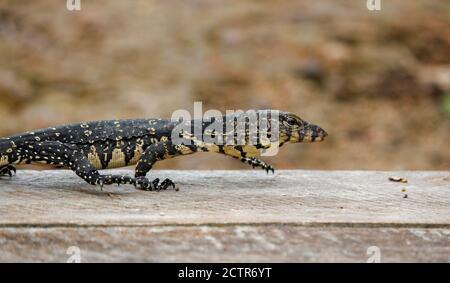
(322, 135)
(314, 134)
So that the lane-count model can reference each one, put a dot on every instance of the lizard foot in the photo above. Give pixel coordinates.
(114, 179)
(254, 162)
(8, 170)
(145, 184)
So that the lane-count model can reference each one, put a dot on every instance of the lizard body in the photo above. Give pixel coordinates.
(88, 147)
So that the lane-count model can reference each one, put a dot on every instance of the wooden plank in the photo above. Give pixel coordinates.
(266, 243)
(361, 198)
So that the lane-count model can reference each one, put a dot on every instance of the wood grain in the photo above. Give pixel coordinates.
(42, 198)
(234, 243)
(299, 216)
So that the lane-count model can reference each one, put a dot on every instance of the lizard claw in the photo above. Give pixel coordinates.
(155, 184)
(269, 168)
(101, 183)
(166, 183)
(8, 170)
(254, 162)
(142, 183)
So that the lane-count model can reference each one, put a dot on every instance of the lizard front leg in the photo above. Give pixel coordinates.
(247, 155)
(156, 152)
(255, 162)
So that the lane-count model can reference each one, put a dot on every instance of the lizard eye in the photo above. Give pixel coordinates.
(291, 122)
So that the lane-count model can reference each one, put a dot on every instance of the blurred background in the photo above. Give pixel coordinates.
(378, 82)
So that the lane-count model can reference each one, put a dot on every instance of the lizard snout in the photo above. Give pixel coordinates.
(314, 133)
(321, 134)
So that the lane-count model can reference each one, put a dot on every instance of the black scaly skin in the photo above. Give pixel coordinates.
(88, 147)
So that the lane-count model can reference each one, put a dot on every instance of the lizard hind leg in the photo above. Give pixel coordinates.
(84, 169)
(67, 155)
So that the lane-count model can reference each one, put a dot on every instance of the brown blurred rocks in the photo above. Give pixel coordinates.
(378, 82)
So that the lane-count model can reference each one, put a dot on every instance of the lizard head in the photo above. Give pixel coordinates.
(293, 129)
